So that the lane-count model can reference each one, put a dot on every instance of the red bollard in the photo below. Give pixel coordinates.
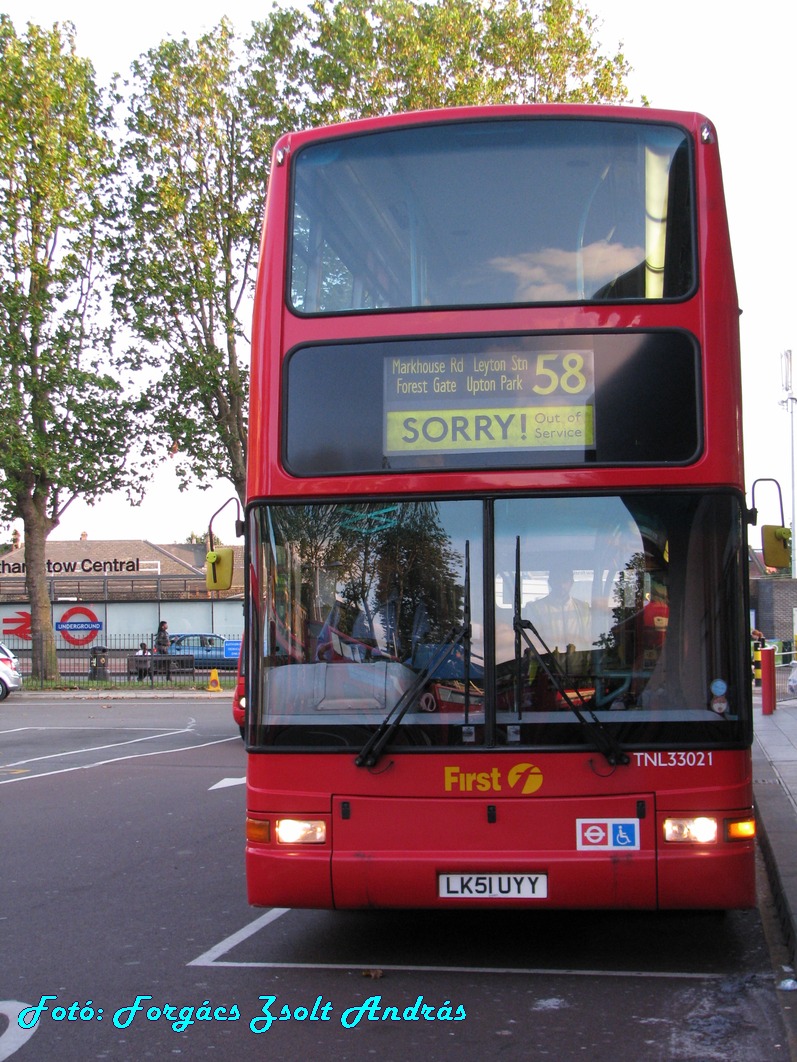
(768, 692)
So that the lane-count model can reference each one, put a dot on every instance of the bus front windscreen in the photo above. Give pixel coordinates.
(485, 213)
(477, 622)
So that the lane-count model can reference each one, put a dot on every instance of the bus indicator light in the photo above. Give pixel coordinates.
(258, 830)
(739, 829)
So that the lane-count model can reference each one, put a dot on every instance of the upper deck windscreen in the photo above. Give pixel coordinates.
(486, 213)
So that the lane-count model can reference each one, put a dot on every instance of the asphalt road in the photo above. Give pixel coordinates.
(123, 918)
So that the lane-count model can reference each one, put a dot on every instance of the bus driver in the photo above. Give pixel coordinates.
(563, 622)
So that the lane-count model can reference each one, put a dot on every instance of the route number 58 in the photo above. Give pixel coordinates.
(560, 372)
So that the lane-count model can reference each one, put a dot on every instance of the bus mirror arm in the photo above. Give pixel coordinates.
(221, 559)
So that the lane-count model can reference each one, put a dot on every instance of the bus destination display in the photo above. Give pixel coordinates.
(470, 402)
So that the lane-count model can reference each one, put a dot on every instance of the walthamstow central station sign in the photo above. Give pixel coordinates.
(85, 566)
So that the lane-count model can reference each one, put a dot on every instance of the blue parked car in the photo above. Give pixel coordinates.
(206, 649)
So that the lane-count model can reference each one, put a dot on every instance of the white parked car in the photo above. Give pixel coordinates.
(10, 678)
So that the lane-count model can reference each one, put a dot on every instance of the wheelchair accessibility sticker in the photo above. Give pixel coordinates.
(607, 833)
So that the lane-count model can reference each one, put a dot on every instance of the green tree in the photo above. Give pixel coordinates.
(202, 122)
(549, 53)
(65, 430)
(198, 143)
(371, 57)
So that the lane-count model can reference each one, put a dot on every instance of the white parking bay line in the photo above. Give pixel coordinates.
(117, 759)
(97, 748)
(212, 957)
(209, 957)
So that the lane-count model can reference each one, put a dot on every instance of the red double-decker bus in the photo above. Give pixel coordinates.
(497, 624)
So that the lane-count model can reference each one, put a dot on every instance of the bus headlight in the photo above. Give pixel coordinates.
(301, 831)
(698, 830)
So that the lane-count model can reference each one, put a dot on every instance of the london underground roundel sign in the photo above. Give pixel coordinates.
(78, 625)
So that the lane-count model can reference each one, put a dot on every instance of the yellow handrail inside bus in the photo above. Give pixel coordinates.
(657, 181)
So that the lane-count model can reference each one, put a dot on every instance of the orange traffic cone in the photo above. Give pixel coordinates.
(214, 686)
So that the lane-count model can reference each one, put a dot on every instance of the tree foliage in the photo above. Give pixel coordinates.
(65, 430)
(198, 141)
(203, 119)
(188, 197)
(356, 58)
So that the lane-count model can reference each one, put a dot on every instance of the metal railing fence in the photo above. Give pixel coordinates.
(114, 664)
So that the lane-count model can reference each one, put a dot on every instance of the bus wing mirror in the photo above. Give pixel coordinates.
(220, 564)
(776, 546)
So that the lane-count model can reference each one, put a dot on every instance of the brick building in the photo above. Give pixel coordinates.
(773, 600)
(115, 570)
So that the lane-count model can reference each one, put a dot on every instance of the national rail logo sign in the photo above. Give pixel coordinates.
(18, 625)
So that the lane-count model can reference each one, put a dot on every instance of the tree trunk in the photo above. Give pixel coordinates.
(37, 528)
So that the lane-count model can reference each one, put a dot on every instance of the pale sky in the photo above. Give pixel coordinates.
(732, 63)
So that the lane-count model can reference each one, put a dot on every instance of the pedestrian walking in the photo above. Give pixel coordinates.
(162, 642)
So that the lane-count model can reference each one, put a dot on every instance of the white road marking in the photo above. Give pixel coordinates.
(118, 759)
(123, 729)
(96, 748)
(225, 783)
(212, 957)
(14, 1037)
(209, 957)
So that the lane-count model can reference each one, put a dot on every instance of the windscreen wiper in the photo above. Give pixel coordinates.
(466, 637)
(459, 635)
(603, 739)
